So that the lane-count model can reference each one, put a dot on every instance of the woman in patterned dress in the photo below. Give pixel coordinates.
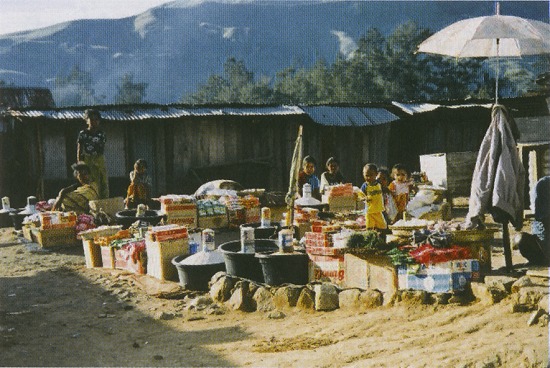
(90, 149)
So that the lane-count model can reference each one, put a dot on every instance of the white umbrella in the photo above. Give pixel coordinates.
(491, 36)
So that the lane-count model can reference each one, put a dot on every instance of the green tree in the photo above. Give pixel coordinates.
(74, 89)
(130, 92)
(237, 85)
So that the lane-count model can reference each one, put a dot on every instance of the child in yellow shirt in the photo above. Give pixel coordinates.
(374, 204)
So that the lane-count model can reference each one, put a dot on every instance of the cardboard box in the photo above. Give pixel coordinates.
(160, 254)
(340, 203)
(107, 256)
(214, 222)
(442, 277)
(327, 268)
(125, 261)
(371, 272)
(48, 238)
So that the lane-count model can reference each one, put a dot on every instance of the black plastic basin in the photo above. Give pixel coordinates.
(246, 265)
(17, 218)
(6, 220)
(284, 268)
(196, 277)
(128, 217)
(268, 232)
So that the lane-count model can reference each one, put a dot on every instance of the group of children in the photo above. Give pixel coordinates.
(386, 194)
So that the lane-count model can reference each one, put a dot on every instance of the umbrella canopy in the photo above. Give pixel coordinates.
(492, 36)
(477, 37)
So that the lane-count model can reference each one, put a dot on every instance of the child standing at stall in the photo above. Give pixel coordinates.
(307, 175)
(139, 190)
(401, 188)
(374, 203)
(390, 207)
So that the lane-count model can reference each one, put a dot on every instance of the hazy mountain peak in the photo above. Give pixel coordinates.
(175, 47)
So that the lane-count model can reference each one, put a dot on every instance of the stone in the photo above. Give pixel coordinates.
(159, 288)
(520, 283)
(488, 295)
(326, 297)
(240, 298)
(218, 275)
(201, 302)
(502, 282)
(306, 300)
(543, 320)
(276, 315)
(541, 271)
(413, 297)
(543, 304)
(349, 299)
(535, 317)
(264, 300)
(164, 316)
(371, 299)
(220, 291)
(531, 295)
(286, 296)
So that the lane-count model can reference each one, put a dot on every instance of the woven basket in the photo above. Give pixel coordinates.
(473, 236)
(159, 257)
(100, 231)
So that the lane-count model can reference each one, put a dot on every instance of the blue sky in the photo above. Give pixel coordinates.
(20, 15)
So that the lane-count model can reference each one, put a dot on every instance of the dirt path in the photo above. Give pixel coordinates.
(56, 312)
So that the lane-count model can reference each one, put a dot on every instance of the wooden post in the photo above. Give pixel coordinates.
(506, 246)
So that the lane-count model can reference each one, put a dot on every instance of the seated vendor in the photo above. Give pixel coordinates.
(535, 247)
(77, 196)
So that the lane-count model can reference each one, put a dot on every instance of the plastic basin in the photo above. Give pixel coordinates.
(268, 232)
(196, 277)
(246, 265)
(284, 268)
(128, 217)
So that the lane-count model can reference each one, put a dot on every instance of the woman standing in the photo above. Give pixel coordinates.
(90, 148)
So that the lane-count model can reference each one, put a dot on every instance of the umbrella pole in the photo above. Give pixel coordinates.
(498, 74)
(506, 246)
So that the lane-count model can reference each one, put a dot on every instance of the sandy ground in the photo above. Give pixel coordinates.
(56, 312)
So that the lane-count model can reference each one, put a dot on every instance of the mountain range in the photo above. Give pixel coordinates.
(176, 46)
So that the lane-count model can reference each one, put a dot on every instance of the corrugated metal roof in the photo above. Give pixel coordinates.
(349, 116)
(164, 112)
(419, 108)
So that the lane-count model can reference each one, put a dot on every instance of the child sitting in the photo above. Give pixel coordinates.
(307, 175)
(401, 188)
(139, 190)
(374, 204)
(332, 176)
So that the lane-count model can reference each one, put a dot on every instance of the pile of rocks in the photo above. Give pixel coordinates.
(528, 293)
(248, 296)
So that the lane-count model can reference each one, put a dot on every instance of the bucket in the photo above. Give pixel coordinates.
(196, 277)
(245, 265)
(17, 219)
(268, 232)
(284, 268)
(6, 219)
(127, 217)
